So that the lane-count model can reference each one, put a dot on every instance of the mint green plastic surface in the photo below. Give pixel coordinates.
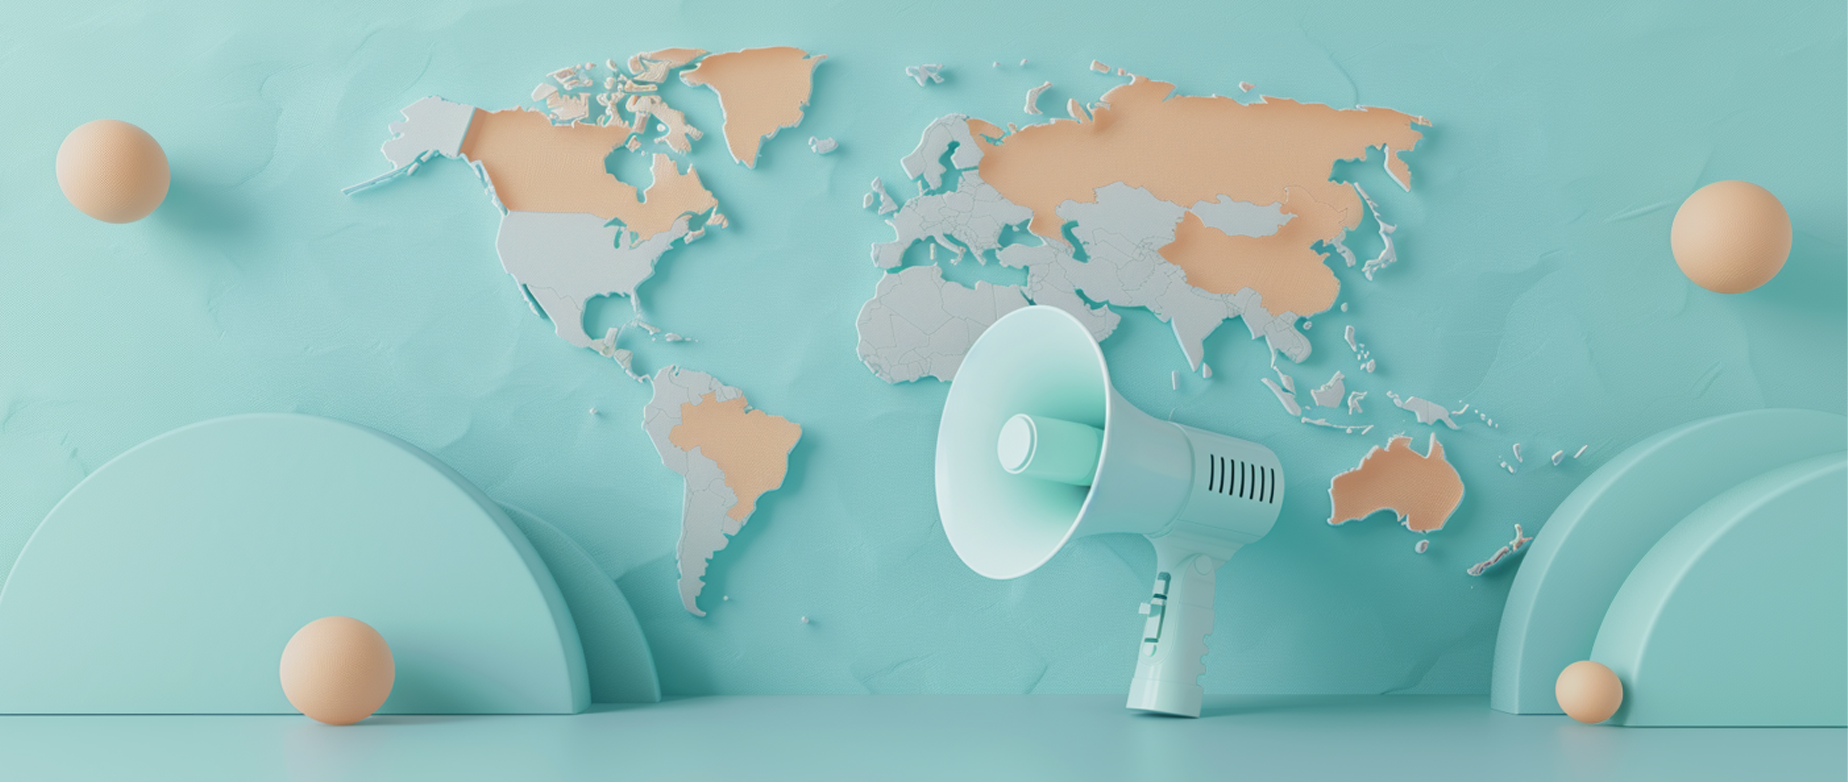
(170, 580)
(1739, 615)
(924, 738)
(616, 655)
(1601, 531)
(1534, 283)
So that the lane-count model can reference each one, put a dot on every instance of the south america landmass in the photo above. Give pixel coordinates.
(728, 454)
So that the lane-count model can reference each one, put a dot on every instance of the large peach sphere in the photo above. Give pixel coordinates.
(337, 670)
(1731, 237)
(1588, 691)
(113, 171)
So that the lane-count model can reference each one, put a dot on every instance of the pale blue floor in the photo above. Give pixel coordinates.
(927, 737)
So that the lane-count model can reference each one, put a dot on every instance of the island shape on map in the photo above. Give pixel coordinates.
(761, 91)
(728, 455)
(571, 231)
(1421, 490)
(1198, 208)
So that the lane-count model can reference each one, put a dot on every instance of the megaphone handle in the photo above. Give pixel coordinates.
(1169, 661)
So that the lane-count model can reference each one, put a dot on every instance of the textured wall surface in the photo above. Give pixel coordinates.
(1534, 282)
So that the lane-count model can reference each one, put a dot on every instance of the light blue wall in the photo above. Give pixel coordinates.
(1535, 282)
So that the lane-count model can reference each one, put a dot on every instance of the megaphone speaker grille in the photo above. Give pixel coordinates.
(1041, 362)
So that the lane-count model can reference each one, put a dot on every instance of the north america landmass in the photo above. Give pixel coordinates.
(571, 232)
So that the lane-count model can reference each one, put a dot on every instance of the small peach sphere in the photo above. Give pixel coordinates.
(113, 171)
(1730, 237)
(337, 670)
(1588, 692)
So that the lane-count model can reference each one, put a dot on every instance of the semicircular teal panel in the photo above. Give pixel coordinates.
(1597, 535)
(616, 653)
(1739, 615)
(169, 580)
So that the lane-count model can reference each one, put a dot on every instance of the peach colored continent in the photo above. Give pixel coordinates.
(1187, 149)
(760, 90)
(672, 195)
(1283, 268)
(1422, 490)
(675, 57)
(751, 449)
(536, 166)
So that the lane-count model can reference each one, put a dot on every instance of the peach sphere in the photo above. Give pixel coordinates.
(1730, 237)
(112, 171)
(1588, 692)
(337, 670)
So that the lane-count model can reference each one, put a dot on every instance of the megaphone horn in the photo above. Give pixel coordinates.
(1036, 448)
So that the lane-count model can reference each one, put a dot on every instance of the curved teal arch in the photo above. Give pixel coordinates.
(169, 580)
(1583, 553)
(1739, 615)
(616, 654)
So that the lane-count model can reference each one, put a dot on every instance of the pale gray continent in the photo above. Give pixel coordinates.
(1241, 218)
(1331, 392)
(1389, 254)
(705, 523)
(926, 160)
(1428, 412)
(1284, 397)
(918, 324)
(1123, 230)
(1049, 283)
(432, 126)
(972, 216)
(563, 260)
(886, 204)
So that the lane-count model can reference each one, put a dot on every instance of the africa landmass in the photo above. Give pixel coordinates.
(571, 231)
(1198, 208)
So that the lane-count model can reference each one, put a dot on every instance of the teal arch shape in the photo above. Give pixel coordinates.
(1586, 549)
(616, 653)
(169, 580)
(1739, 615)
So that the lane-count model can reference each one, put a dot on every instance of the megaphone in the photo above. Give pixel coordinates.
(1036, 448)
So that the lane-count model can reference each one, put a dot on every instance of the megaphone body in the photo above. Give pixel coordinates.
(1036, 448)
